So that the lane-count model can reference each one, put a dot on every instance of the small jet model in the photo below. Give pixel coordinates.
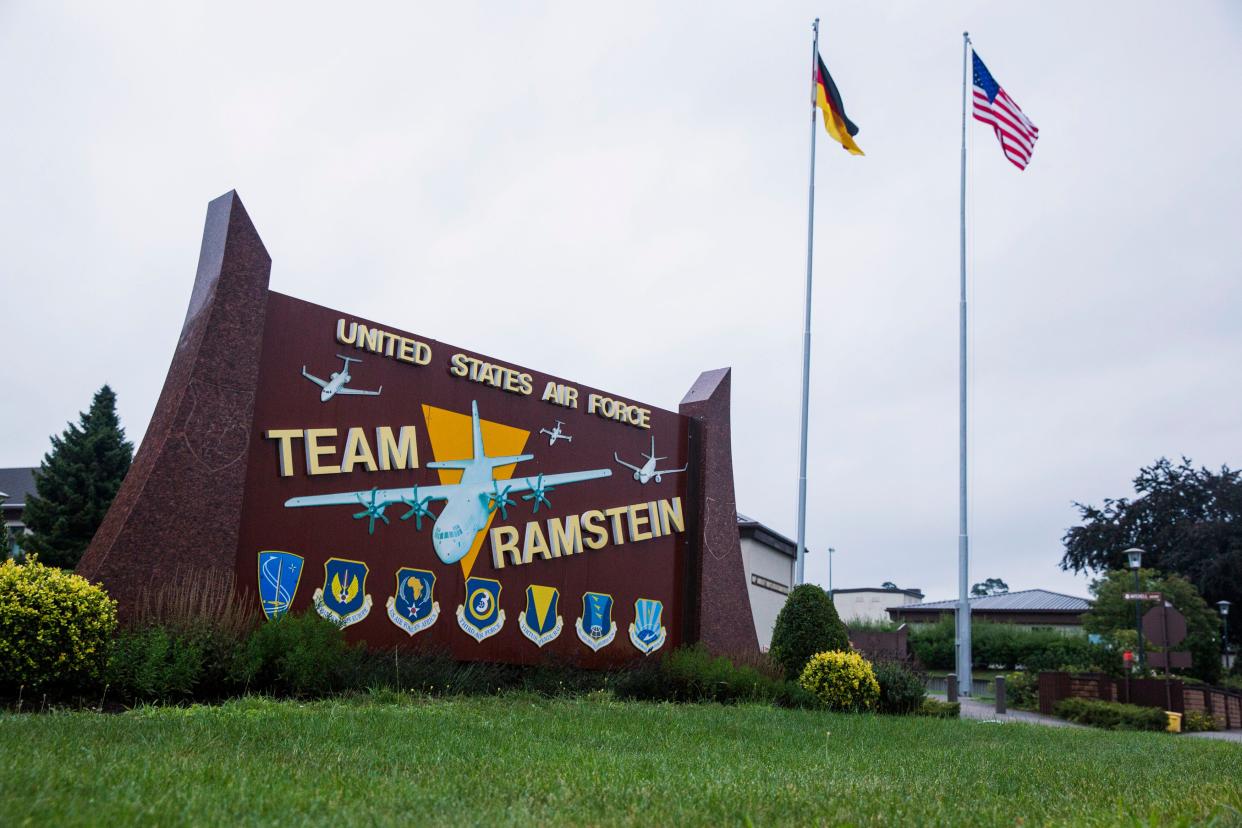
(468, 504)
(555, 434)
(648, 470)
(337, 382)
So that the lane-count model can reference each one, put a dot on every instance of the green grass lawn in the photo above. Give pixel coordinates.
(522, 760)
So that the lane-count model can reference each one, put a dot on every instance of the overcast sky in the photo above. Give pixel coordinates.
(617, 194)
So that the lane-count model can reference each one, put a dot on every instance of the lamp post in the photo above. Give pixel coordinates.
(1135, 556)
(1223, 606)
(830, 553)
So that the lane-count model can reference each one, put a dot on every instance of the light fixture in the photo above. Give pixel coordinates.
(1135, 556)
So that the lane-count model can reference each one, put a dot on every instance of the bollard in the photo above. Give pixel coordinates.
(1000, 694)
(950, 684)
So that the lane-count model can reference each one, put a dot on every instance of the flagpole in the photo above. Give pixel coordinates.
(963, 538)
(800, 568)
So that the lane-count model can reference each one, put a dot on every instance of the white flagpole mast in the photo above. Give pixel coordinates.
(963, 538)
(800, 567)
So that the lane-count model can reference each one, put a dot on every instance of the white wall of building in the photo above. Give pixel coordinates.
(769, 577)
(869, 605)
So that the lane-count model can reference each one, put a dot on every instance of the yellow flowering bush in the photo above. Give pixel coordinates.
(841, 680)
(56, 628)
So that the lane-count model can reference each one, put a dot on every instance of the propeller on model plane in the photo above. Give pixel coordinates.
(418, 509)
(372, 510)
(499, 500)
(539, 493)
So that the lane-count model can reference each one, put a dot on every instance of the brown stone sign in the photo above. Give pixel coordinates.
(419, 493)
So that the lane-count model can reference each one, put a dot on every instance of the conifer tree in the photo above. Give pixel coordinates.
(76, 482)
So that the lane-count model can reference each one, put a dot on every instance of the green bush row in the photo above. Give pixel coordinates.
(1111, 715)
(940, 709)
(1007, 647)
(1198, 721)
(691, 674)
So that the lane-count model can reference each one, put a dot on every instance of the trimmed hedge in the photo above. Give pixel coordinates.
(1112, 715)
(806, 625)
(1007, 647)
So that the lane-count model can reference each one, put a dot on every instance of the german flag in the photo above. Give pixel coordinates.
(828, 99)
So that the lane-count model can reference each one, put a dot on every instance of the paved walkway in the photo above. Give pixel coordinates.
(986, 712)
(1222, 735)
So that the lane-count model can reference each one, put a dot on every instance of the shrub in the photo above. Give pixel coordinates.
(1197, 721)
(202, 612)
(806, 625)
(55, 628)
(692, 674)
(841, 681)
(1022, 690)
(298, 655)
(1111, 715)
(940, 709)
(151, 663)
(901, 689)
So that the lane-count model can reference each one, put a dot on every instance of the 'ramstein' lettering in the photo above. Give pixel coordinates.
(593, 529)
(390, 451)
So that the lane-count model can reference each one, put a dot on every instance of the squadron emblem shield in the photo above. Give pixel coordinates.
(596, 628)
(343, 600)
(279, 576)
(412, 607)
(481, 616)
(539, 622)
(647, 633)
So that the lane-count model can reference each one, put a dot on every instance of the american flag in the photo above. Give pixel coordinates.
(993, 106)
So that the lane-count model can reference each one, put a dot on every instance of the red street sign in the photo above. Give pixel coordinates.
(1127, 656)
(1143, 596)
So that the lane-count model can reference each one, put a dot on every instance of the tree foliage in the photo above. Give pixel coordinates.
(1112, 616)
(76, 482)
(992, 586)
(806, 625)
(1186, 520)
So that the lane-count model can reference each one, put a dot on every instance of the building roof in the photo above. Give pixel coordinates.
(16, 485)
(748, 527)
(1026, 600)
(913, 593)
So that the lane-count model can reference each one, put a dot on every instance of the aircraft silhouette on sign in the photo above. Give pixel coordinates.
(337, 380)
(555, 434)
(468, 504)
(648, 469)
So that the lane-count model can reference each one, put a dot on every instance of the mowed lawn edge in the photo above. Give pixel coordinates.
(525, 760)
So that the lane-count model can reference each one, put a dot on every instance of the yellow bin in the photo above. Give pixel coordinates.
(1175, 721)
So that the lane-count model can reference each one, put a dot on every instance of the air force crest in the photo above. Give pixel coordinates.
(481, 616)
(412, 607)
(647, 633)
(343, 599)
(279, 576)
(596, 627)
(539, 622)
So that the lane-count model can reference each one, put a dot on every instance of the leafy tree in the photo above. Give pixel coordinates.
(1186, 520)
(806, 625)
(888, 585)
(992, 586)
(76, 483)
(1113, 616)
